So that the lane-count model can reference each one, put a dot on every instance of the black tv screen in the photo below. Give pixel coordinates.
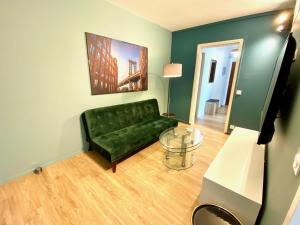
(275, 93)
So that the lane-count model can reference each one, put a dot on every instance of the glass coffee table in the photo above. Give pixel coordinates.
(179, 144)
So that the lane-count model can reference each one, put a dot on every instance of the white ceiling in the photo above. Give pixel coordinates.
(179, 14)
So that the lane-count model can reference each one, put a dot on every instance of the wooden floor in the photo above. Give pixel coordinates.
(83, 190)
(216, 122)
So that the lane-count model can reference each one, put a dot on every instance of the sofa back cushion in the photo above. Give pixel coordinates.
(104, 120)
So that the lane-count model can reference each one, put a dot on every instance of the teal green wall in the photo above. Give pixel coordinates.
(45, 83)
(261, 48)
(281, 184)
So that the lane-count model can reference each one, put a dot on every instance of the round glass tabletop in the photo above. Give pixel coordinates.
(176, 139)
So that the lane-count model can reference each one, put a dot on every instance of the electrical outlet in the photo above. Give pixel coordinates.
(238, 92)
(231, 127)
(296, 163)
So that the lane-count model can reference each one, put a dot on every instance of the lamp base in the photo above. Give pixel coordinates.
(169, 115)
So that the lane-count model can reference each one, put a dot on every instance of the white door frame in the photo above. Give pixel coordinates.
(198, 77)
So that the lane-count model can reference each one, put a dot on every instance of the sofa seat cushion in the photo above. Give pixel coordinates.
(122, 142)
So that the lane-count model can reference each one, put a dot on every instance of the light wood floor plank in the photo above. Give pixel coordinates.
(83, 190)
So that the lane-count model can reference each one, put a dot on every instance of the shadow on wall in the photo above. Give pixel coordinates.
(263, 206)
(289, 98)
(286, 113)
(84, 135)
(280, 154)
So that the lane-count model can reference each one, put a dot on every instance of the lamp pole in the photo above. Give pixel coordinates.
(170, 71)
(169, 97)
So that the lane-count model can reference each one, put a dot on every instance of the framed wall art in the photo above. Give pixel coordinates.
(116, 66)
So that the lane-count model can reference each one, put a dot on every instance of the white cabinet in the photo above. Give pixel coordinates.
(234, 180)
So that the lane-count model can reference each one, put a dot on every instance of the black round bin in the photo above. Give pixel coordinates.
(213, 215)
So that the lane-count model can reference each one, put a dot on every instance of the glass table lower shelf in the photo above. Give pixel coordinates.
(178, 161)
(180, 144)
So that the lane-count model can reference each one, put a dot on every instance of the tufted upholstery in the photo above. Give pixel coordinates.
(116, 131)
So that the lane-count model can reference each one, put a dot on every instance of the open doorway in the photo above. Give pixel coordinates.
(214, 83)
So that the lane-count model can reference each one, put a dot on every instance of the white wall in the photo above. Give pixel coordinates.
(222, 56)
(45, 80)
(217, 89)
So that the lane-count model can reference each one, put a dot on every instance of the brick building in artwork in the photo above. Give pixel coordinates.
(144, 68)
(103, 67)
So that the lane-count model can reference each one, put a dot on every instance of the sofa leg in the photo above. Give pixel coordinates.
(114, 167)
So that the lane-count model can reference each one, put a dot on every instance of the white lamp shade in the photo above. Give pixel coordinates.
(172, 70)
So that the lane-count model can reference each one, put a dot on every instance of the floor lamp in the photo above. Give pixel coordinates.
(171, 71)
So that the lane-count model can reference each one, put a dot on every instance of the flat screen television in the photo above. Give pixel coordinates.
(276, 91)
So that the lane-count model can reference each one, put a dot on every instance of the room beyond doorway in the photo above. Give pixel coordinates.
(215, 121)
(214, 83)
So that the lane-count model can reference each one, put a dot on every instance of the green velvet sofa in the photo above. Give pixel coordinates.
(120, 130)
